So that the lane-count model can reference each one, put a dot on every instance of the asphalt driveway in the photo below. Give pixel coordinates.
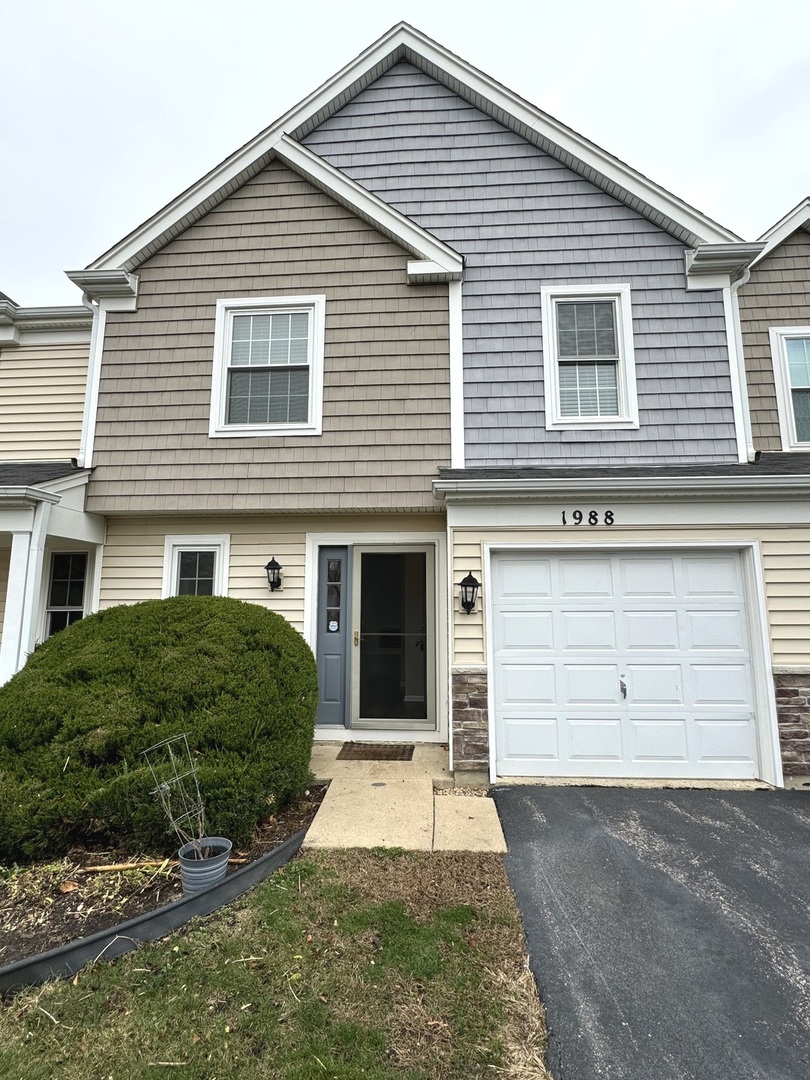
(669, 931)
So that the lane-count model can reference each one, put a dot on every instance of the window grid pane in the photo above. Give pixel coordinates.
(268, 397)
(66, 590)
(195, 573)
(588, 389)
(586, 329)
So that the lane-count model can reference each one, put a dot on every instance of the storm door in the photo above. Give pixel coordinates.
(334, 601)
(392, 651)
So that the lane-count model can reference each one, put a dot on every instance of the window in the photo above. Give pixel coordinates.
(268, 367)
(588, 360)
(790, 348)
(65, 590)
(196, 566)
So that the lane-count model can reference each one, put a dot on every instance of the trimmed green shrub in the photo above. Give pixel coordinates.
(73, 723)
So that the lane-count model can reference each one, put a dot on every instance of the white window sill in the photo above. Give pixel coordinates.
(600, 423)
(263, 431)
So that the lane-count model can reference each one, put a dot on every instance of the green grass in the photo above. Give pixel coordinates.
(342, 966)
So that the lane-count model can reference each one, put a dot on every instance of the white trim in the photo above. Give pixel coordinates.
(404, 42)
(756, 612)
(739, 390)
(90, 413)
(619, 294)
(629, 487)
(226, 310)
(787, 422)
(797, 218)
(173, 545)
(14, 612)
(33, 582)
(456, 347)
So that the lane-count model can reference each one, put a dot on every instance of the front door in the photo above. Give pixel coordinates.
(393, 666)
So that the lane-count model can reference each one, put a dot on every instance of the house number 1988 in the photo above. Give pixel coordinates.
(592, 517)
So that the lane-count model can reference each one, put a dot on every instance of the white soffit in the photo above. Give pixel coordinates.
(403, 42)
(798, 218)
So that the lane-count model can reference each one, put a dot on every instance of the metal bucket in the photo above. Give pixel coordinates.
(200, 873)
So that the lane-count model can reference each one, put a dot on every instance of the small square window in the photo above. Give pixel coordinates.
(196, 566)
(790, 349)
(268, 367)
(588, 359)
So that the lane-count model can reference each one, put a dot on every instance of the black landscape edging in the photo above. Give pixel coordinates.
(65, 961)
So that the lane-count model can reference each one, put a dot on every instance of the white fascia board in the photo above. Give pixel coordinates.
(67, 483)
(717, 266)
(426, 272)
(43, 325)
(25, 496)
(404, 42)
(369, 207)
(710, 487)
(797, 218)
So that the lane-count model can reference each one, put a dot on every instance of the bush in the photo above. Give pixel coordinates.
(238, 678)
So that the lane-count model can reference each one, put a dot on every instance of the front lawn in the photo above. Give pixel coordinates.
(343, 965)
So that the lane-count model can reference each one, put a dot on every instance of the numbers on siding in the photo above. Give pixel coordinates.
(587, 517)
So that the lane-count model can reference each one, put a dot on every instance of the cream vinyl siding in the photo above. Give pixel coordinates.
(386, 388)
(777, 295)
(132, 569)
(785, 556)
(41, 401)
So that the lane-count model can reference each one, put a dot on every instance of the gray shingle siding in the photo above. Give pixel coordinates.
(522, 219)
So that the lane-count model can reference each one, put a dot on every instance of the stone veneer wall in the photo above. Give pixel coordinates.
(470, 731)
(793, 711)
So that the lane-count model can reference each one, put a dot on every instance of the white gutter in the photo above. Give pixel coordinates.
(663, 487)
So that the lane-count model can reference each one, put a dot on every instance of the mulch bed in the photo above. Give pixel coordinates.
(45, 905)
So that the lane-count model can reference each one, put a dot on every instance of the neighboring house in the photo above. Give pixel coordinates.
(45, 535)
(418, 329)
(774, 300)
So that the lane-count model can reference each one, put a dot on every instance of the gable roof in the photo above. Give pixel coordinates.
(403, 42)
(797, 218)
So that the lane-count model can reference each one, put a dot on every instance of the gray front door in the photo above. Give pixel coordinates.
(333, 634)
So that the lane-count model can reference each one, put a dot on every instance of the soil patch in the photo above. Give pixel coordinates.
(48, 904)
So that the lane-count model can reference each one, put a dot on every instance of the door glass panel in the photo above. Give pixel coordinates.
(393, 646)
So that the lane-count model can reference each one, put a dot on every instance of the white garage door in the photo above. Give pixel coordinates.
(627, 665)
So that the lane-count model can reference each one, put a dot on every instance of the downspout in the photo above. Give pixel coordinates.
(737, 357)
(85, 458)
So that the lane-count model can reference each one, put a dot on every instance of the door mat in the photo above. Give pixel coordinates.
(372, 751)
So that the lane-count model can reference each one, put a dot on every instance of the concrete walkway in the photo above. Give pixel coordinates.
(403, 804)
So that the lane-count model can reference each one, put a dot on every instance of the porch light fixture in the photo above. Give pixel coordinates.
(273, 575)
(469, 592)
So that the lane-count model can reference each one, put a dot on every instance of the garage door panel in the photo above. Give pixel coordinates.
(594, 739)
(588, 630)
(532, 738)
(526, 630)
(659, 740)
(712, 577)
(584, 578)
(647, 630)
(722, 684)
(716, 629)
(529, 683)
(586, 683)
(654, 684)
(641, 578)
(671, 626)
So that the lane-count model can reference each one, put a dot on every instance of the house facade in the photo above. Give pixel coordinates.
(416, 331)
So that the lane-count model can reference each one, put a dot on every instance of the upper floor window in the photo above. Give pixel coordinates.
(790, 347)
(196, 566)
(268, 366)
(588, 358)
(66, 589)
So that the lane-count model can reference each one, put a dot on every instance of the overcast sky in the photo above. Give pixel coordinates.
(108, 109)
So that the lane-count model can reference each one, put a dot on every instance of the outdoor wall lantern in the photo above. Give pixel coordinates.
(469, 592)
(273, 575)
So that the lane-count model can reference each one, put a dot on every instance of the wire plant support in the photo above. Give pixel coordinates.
(177, 788)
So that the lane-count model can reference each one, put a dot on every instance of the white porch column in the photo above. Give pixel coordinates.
(15, 602)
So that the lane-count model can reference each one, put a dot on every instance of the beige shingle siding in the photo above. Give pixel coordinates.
(41, 401)
(386, 368)
(778, 294)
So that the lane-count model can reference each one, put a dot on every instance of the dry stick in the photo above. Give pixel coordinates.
(110, 867)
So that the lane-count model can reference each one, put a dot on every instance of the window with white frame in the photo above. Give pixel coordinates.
(790, 348)
(196, 566)
(588, 356)
(66, 590)
(268, 366)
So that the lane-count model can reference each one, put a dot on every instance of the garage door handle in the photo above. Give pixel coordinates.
(623, 687)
